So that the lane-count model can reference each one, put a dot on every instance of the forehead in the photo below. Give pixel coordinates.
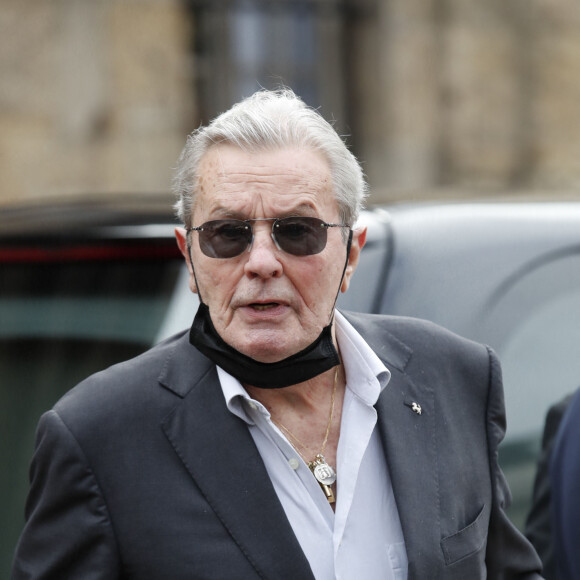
(237, 181)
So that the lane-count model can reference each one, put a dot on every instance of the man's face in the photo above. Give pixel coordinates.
(266, 303)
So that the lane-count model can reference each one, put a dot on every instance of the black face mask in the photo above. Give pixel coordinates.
(317, 358)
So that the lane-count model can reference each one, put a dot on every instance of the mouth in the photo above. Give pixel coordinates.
(260, 307)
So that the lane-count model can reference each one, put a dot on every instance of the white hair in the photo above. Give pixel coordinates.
(271, 120)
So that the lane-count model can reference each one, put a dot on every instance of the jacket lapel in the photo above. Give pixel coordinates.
(219, 453)
(409, 440)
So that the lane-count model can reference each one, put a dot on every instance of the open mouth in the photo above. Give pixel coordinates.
(261, 307)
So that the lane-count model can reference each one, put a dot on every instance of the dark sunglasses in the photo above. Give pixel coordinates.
(299, 236)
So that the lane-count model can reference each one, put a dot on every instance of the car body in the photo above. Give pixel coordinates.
(504, 274)
(86, 284)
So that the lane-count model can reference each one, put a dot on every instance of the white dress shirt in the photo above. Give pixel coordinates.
(362, 539)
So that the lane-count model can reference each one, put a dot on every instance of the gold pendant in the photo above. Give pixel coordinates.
(328, 492)
(325, 475)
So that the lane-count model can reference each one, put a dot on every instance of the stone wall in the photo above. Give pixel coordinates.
(475, 98)
(95, 97)
(447, 97)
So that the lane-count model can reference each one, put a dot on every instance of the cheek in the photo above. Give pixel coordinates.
(318, 286)
(217, 280)
(328, 279)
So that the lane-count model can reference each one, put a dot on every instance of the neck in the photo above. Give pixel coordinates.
(304, 398)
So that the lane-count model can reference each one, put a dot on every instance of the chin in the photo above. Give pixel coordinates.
(268, 351)
(268, 346)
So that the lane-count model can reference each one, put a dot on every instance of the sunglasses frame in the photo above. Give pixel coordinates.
(275, 223)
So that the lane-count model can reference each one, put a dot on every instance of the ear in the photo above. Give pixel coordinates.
(359, 238)
(181, 237)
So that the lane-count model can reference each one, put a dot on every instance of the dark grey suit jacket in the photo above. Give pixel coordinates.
(141, 471)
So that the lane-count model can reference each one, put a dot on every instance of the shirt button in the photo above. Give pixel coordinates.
(252, 405)
(294, 463)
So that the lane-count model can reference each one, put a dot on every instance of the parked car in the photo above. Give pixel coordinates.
(84, 285)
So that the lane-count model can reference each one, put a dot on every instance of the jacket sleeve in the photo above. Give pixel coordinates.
(68, 532)
(509, 554)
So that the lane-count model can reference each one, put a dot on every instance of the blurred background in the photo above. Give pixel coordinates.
(438, 98)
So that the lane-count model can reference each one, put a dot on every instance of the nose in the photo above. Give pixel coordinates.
(263, 260)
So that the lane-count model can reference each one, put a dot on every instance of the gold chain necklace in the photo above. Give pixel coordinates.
(322, 471)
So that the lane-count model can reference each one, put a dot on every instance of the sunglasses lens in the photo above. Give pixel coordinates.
(224, 238)
(300, 236)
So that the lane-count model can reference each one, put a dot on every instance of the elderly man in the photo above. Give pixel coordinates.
(278, 438)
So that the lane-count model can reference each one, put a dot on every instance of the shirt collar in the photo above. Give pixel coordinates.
(237, 399)
(366, 375)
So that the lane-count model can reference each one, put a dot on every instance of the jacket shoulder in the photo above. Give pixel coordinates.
(132, 386)
(414, 336)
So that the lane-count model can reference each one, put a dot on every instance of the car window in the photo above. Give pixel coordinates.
(533, 322)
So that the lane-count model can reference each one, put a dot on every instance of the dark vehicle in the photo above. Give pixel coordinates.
(83, 286)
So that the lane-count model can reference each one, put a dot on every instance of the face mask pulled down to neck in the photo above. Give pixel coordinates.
(317, 358)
